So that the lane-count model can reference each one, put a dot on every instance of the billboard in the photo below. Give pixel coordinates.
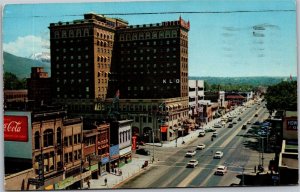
(15, 128)
(17, 134)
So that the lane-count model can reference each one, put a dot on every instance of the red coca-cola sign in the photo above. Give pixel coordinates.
(16, 128)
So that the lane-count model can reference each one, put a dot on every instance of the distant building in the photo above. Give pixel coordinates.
(196, 94)
(39, 87)
(15, 99)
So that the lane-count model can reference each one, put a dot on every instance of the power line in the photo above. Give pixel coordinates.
(168, 12)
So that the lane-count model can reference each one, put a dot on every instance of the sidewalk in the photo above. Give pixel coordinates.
(128, 170)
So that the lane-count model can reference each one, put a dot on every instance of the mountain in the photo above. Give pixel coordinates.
(43, 57)
(21, 66)
(255, 81)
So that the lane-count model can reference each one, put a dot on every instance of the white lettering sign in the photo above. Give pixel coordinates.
(170, 81)
(13, 126)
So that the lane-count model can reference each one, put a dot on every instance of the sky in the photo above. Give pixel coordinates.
(231, 38)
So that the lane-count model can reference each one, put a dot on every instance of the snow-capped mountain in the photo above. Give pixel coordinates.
(42, 56)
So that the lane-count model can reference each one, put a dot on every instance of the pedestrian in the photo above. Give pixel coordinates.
(120, 171)
(89, 184)
(254, 168)
(105, 181)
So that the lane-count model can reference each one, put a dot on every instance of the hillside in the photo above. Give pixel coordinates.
(21, 66)
(254, 81)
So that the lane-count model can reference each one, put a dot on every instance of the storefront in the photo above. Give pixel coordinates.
(66, 183)
(125, 156)
(104, 166)
(114, 157)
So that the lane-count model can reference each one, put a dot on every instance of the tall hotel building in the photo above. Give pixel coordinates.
(146, 64)
(81, 55)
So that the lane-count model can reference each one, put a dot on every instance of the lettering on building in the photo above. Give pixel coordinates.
(170, 81)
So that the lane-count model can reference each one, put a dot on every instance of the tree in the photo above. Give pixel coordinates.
(11, 82)
(206, 86)
(282, 96)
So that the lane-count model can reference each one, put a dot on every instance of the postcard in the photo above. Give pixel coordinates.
(150, 95)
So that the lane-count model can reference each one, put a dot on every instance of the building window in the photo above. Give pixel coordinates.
(71, 33)
(66, 141)
(70, 141)
(154, 35)
(58, 135)
(70, 157)
(37, 140)
(48, 138)
(56, 34)
(64, 33)
(78, 33)
(86, 32)
(161, 34)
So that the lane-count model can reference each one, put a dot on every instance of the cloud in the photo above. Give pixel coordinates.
(27, 45)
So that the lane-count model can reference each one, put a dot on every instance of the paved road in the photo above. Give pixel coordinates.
(171, 171)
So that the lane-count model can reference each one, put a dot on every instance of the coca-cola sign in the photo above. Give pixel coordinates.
(15, 128)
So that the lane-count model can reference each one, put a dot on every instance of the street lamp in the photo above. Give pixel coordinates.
(153, 145)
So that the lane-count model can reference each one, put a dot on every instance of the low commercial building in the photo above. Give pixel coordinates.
(47, 142)
(288, 164)
(121, 135)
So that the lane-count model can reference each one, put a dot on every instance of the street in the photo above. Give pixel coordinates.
(170, 170)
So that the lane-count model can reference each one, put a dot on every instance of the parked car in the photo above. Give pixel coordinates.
(142, 152)
(230, 125)
(239, 119)
(190, 153)
(200, 146)
(234, 122)
(249, 122)
(256, 115)
(215, 134)
(221, 170)
(218, 155)
(217, 126)
(192, 163)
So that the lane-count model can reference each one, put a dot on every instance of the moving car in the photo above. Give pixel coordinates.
(142, 152)
(192, 163)
(210, 130)
(244, 126)
(215, 134)
(249, 122)
(239, 119)
(190, 153)
(221, 170)
(200, 146)
(256, 115)
(201, 133)
(218, 155)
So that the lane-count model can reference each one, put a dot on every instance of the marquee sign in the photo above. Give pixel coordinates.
(15, 128)
(292, 124)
